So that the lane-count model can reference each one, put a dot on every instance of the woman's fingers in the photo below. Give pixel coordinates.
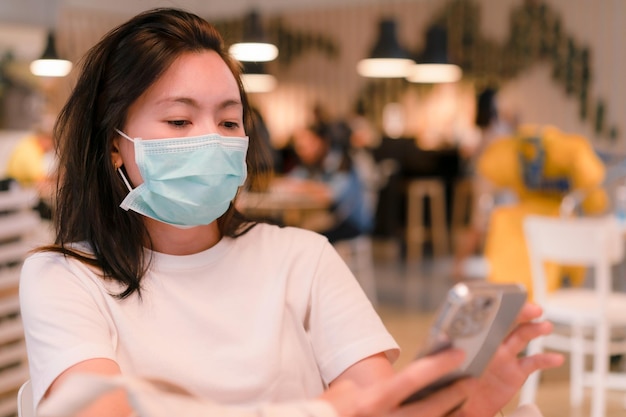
(519, 338)
(441, 402)
(530, 364)
(529, 312)
(380, 399)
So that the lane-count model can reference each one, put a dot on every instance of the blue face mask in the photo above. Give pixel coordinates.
(187, 181)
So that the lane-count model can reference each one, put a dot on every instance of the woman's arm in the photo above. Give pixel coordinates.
(343, 399)
(111, 404)
(368, 371)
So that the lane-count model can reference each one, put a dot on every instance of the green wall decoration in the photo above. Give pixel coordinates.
(535, 34)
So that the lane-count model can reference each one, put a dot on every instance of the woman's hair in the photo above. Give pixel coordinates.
(115, 73)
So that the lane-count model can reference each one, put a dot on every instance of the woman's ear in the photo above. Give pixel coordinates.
(116, 155)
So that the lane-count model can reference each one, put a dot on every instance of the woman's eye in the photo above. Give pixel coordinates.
(178, 123)
(231, 125)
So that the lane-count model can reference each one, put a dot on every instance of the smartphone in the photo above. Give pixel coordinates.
(475, 317)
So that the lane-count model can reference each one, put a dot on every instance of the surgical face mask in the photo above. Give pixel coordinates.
(187, 181)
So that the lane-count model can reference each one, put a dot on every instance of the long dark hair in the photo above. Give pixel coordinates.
(115, 72)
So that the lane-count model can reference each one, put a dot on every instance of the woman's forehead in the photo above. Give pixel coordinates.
(200, 77)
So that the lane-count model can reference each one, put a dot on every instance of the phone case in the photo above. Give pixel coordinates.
(475, 316)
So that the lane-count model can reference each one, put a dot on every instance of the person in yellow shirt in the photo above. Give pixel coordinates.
(31, 164)
(541, 164)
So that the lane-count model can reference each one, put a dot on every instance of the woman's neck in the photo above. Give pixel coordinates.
(172, 240)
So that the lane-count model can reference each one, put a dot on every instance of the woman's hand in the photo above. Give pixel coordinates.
(508, 371)
(484, 397)
(383, 398)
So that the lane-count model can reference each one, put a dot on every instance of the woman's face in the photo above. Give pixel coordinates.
(196, 95)
(309, 147)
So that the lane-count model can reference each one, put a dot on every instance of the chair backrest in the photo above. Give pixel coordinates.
(585, 241)
(25, 406)
(18, 223)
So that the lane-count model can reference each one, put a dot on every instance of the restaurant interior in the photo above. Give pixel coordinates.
(556, 68)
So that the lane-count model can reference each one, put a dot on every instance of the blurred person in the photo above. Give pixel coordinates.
(363, 139)
(32, 163)
(326, 172)
(541, 164)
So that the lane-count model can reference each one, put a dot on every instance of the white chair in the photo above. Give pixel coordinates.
(25, 406)
(18, 223)
(594, 318)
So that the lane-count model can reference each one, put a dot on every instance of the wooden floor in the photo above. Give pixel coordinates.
(409, 293)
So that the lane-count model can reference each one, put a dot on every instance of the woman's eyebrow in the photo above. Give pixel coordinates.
(177, 99)
(230, 103)
(194, 103)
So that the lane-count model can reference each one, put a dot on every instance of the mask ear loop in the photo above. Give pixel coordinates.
(119, 171)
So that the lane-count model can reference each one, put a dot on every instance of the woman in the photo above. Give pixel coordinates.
(153, 272)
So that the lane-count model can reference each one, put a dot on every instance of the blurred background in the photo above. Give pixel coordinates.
(554, 61)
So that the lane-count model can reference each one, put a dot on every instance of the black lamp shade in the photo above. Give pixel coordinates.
(253, 29)
(436, 50)
(387, 58)
(387, 45)
(50, 52)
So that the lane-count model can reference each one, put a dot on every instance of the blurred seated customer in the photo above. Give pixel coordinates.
(269, 159)
(32, 163)
(326, 172)
(541, 165)
(364, 138)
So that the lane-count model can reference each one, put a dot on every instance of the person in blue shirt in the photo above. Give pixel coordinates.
(327, 172)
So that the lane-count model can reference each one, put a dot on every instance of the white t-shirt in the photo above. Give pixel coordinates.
(273, 315)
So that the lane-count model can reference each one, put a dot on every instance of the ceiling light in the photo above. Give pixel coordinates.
(434, 66)
(50, 65)
(387, 59)
(254, 46)
(256, 79)
(435, 73)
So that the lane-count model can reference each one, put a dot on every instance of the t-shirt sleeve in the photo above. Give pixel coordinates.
(63, 317)
(344, 326)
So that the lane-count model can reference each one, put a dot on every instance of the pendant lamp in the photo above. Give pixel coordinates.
(256, 79)
(387, 59)
(50, 65)
(434, 66)
(254, 46)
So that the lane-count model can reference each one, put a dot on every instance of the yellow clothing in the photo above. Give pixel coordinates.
(27, 163)
(541, 166)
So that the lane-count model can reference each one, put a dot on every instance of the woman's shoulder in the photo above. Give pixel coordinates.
(43, 264)
(46, 256)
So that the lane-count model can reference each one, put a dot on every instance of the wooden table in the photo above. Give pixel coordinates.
(290, 209)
